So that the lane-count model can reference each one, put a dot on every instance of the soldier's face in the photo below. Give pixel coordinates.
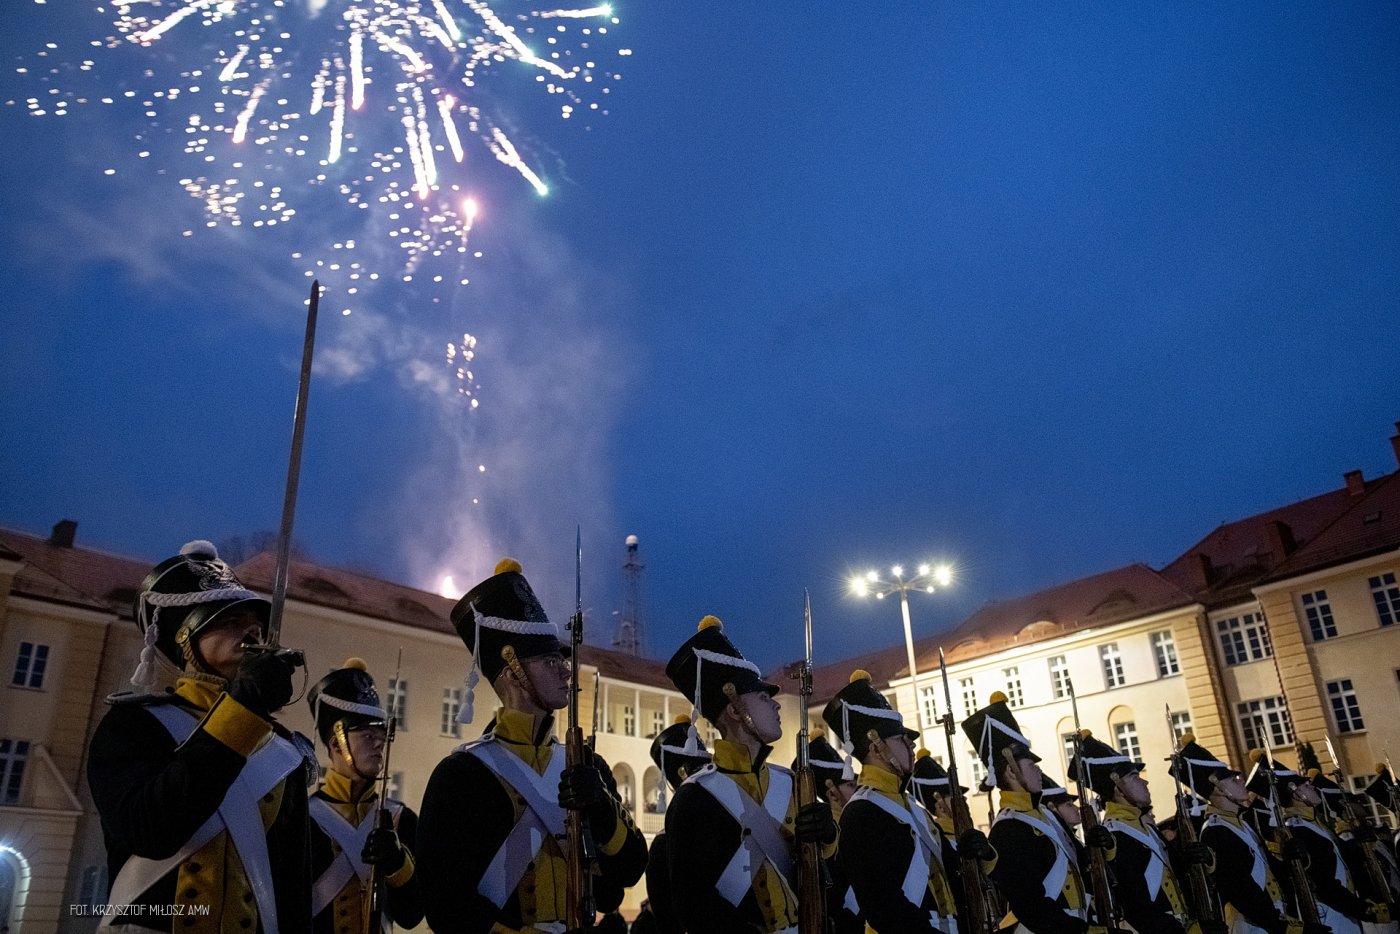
(1133, 787)
(366, 749)
(1307, 794)
(763, 710)
(222, 644)
(549, 676)
(1069, 812)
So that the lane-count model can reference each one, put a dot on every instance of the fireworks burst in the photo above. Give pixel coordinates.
(278, 109)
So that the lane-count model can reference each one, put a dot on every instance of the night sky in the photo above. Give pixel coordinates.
(1038, 291)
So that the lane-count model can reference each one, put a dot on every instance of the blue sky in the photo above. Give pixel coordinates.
(1035, 291)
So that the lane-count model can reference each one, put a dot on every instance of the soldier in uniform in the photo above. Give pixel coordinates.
(1152, 899)
(1338, 903)
(733, 828)
(490, 856)
(1038, 869)
(668, 751)
(347, 845)
(1245, 876)
(202, 795)
(835, 784)
(891, 849)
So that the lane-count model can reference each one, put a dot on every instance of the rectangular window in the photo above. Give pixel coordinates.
(1014, 697)
(928, 700)
(1244, 638)
(629, 720)
(1059, 677)
(1267, 716)
(1181, 723)
(451, 701)
(979, 772)
(1319, 613)
(397, 702)
(1345, 708)
(1126, 736)
(395, 789)
(969, 696)
(1386, 593)
(1112, 665)
(30, 662)
(1164, 648)
(1379, 816)
(658, 723)
(1067, 744)
(13, 754)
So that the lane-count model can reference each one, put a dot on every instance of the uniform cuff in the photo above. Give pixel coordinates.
(622, 829)
(235, 726)
(404, 872)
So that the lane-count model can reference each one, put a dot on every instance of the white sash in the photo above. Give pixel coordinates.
(1157, 865)
(926, 851)
(1339, 867)
(1054, 883)
(764, 838)
(238, 814)
(542, 815)
(1258, 871)
(351, 840)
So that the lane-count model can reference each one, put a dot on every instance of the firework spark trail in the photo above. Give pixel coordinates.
(505, 151)
(240, 130)
(577, 14)
(449, 126)
(493, 23)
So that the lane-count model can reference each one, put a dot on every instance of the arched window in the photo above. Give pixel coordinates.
(1123, 731)
(626, 785)
(651, 786)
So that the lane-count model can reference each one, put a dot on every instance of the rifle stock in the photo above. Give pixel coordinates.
(1297, 871)
(811, 917)
(580, 908)
(1200, 891)
(1098, 862)
(384, 820)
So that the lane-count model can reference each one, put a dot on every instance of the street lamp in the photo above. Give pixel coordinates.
(928, 579)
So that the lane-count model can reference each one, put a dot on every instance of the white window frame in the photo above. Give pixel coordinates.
(1059, 677)
(978, 770)
(928, 700)
(1181, 723)
(658, 723)
(451, 703)
(1164, 650)
(1346, 709)
(1015, 697)
(1385, 593)
(31, 661)
(1273, 711)
(1243, 638)
(395, 789)
(1067, 747)
(969, 696)
(14, 754)
(1318, 611)
(1125, 737)
(397, 702)
(1111, 659)
(629, 720)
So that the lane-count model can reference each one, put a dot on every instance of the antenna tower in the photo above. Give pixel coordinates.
(629, 628)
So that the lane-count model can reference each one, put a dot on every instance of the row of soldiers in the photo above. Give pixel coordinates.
(212, 827)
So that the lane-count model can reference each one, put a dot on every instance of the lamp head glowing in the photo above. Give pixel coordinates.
(858, 587)
(897, 570)
(944, 575)
(923, 570)
(871, 576)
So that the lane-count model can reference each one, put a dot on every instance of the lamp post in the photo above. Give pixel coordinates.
(928, 579)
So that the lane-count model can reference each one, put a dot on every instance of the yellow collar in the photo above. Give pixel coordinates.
(945, 824)
(1225, 815)
(730, 756)
(201, 691)
(338, 787)
(1018, 801)
(1117, 810)
(1299, 809)
(521, 728)
(880, 778)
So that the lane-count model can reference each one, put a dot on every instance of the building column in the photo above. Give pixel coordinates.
(1210, 710)
(1300, 687)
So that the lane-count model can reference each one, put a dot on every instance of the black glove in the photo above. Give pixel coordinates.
(1197, 853)
(1294, 851)
(263, 683)
(814, 823)
(973, 845)
(1214, 927)
(1099, 837)
(581, 788)
(382, 849)
(1311, 928)
(1362, 833)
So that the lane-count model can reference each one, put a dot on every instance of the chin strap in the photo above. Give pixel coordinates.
(513, 663)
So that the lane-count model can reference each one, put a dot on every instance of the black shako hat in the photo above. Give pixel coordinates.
(993, 731)
(859, 713)
(930, 778)
(1102, 763)
(668, 751)
(826, 763)
(1197, 767)
(1052, 792)
(346, 695)
(706, 663)
(500, 613)
(181, 596)
(1285, 779)
(1382, 790)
